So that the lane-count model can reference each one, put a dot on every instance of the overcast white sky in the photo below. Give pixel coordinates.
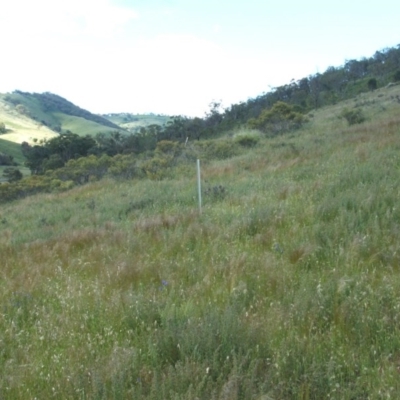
(176, 56)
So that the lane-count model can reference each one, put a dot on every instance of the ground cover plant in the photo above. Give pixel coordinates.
(285, 286)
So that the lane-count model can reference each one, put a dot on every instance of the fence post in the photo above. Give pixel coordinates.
(199, 183)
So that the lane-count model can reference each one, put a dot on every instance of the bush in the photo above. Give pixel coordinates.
(12, 174)
(282, 117)
(6, 159)
(2, 128)
(353, 116)
(125, 167)
(247, 139)
(396, 76)
(169, 147)
(158, 167)
(217, 149)
(372, 84)
(22, 109)
(84, 169)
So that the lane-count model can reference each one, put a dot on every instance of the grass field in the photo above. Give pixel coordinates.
(20, 128)
(25, 126)
(133, 122)
(14, 150)
(286, 286)
(81, 126)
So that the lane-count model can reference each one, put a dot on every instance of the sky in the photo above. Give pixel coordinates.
(176, 57)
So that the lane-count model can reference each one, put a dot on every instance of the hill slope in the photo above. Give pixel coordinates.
(133, 122)
(47, 114)
(20, 127)
(285, 286)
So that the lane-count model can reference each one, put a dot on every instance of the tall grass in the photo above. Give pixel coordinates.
(286, 286)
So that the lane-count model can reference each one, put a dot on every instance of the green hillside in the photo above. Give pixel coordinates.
(285, 286)
(13, 149)
(77, 124)
(133, 122)
(57, 113)
(20, 127)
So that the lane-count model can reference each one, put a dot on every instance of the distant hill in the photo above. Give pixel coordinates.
(33, 117)
(38, 116)
(48, 111)
(19, 126)
(133, 122)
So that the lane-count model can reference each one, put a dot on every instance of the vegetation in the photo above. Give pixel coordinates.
(57, 113)
(2, 128)
(134, 122)
(355, 116)
(292, 101)
(285, 286)
(11, 156)
(12, 174)
(55, 152)
(13, 150)
(296, 99)
(282, 117)
(6, 159)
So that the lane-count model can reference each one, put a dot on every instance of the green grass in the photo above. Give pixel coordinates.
(33, 108)
(38, 110)
(81, 126)
(286, 286)
(12, 149)
(133, 122)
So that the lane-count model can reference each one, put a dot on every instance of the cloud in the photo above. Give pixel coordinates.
(104, 19)
(217, 28)
(99, 18)
(169, 74)
(178, 74)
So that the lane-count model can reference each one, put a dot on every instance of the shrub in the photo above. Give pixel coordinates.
(84, 169)
(372, 84)
(353, 116)
(282, 117)
(6, 159)
(168, 147)
(247, 139)
(12, 174)
(158, 167)
(125, 167)
(396, 76)
(217, 149)
(22, 109)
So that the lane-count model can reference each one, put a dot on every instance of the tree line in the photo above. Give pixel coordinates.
(282, 109)
(321, 89)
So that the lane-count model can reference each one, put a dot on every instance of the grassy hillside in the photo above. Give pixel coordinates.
(51, 114)
(134, 122)
(21, 127)
(286, 286)
(13, 149)
(81, 126)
